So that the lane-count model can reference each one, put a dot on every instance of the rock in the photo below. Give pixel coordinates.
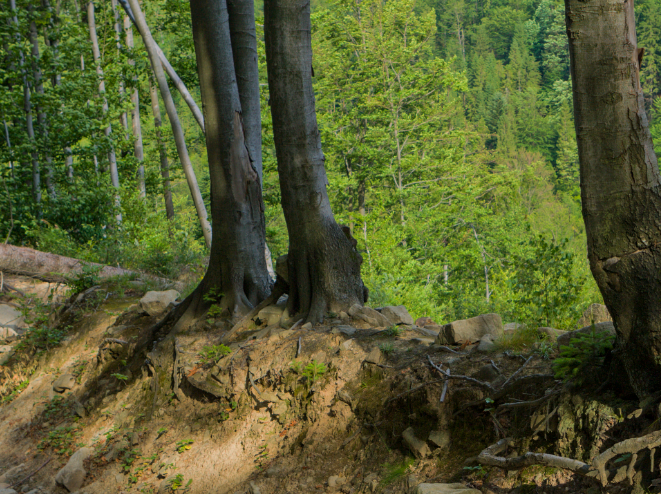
(552, 333)
(486, 344)
(7, 334)
(10, 317)
(596, 313)
(440, 439)
(336, 481)
(423, 341)
(433, 328)
(370, 316)
(4, 357)
(418, 447)
(445, 489)
(72, 475)
(6, 348)
(397, 314)
(7, 491)
(421, 322)
(64, 382)
(307, 325)
(471, 330)
(12, 475)
(271, 314)
(602, 327)
(347, 330)
(153, 303)
(487, 373)
(375, 356)
(254, 489)
(511, 327)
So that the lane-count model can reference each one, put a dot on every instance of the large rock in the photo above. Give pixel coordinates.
(10, 317)
(445, 489)
(471, 330)
(73, 473)
(397, 314)
(417, 446)
(487, 344)
(602, 327)
(596, 313)
(64, 382)
(8, 334)
(271, 314)
(370, 316)
(153, 303)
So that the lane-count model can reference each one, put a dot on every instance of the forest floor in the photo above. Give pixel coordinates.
(340, 407)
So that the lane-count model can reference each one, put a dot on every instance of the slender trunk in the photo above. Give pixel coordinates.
(41, 114)
(162, 150)
(620, 182)
(27, 108)
(363, 214)
(237, 265)
(11, 160)
(323, 264)
(112, 160)
(135, 116)
(118, 35)
(174, 120)
(176, 80)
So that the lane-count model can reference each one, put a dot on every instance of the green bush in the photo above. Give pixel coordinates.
(584, 354)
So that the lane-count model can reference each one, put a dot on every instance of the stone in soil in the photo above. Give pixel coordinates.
(417, 446)
(72, 475)
(445, 489)
(397, 314)
(470, 330)
(370, 316)
(64, 383)
(602, 327)
(154, 303)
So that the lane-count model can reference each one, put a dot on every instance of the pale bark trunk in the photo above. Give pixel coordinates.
(237, 265)
(135, 117)
(323, 264)
(27, 108)
(114, 175)
(620, 183)
(41, 115)
(174, 120)
(162, 150)
(176, 80)
(118, 33)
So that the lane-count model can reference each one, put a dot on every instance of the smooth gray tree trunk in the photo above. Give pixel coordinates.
(114, 174)
(162, 150)
(620, 183)
(177, 130)
(135, 116)
(122, 92)
(237, 265)
(323, 263)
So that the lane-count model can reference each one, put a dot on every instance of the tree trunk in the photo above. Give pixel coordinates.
(323, 263)
(162, 150)
(27, 107)
(237, 265)
(177, 130)
(619, 180)
(114, 175)
(135, 116)
(118, 34)
(41, 115)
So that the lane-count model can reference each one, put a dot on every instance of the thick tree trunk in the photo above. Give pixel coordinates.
(118, 35)
(177, 130)
(114, 174)
(162, 150)
(237, 265)
(135, 116)
(323, 264)
(619, 180)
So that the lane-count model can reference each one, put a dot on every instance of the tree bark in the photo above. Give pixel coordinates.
(135, 116)
(162, 150)
(177, 130)
(114, 175)
(118, 34)
(237, 265)
(323, 263)
(619, 180)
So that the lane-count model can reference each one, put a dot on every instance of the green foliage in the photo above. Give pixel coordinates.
(176, 483)
(184, 445)
(210, 354)
(584, 355)
(387, 348)
(61, 440)
(314, 370)
(120, 377)
(393, 331)
(395, 471)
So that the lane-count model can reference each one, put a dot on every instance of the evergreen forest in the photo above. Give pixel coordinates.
(447, 129)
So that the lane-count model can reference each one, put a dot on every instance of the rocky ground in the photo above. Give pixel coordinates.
(97, 398)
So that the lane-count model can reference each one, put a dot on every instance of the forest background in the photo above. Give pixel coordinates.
(447, 128)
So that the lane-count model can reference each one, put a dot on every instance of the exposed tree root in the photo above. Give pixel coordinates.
(490, 457)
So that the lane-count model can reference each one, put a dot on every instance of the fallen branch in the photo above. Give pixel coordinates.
(518, 371)
(462, 378)
(531, 403)
(31, 475)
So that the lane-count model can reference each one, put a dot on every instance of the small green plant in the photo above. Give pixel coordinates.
(210, 354)
(177, 482)
(387, 348)
(86, 279)
(62, 440)
(584, 353)
(214, 311)
(184, 445)
(392, 331)
(296, 366)
(395, 471)
(545, 349)
(120, 377)
(476, 470)
(213, 295)
(160, 432)
(15, 392)
(314, 370)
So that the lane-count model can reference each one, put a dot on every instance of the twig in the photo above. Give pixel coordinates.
(462, 378)
(32, 474)
(296, 324)
(495, 367)
(445, 388)
(253, 385)
(298, 350)
(518, 371)
(442, 347)
(530, 403)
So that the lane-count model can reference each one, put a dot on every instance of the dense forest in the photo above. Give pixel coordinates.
(446, 125)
